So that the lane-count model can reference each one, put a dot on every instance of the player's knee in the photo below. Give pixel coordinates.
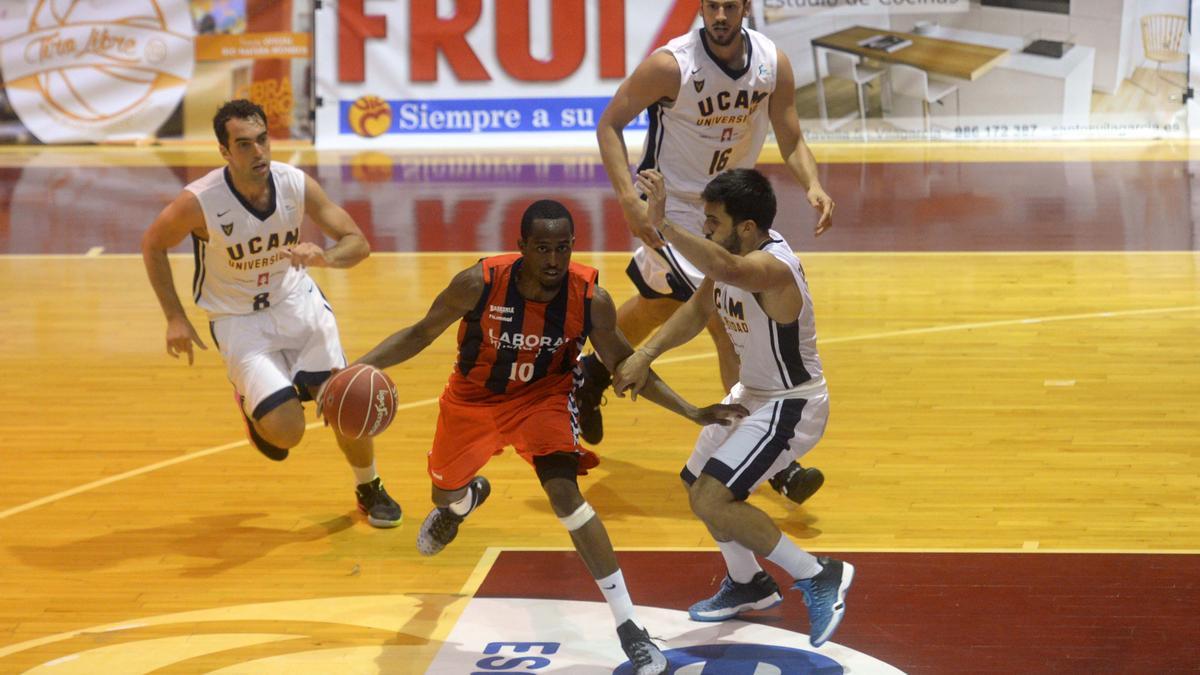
(564, 496)
(708, 497)
(283, 427)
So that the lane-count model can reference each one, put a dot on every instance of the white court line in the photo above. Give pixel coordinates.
(94, 252)
(161, 465)
(677, 359)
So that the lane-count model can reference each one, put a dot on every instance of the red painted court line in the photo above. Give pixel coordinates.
(941, 612)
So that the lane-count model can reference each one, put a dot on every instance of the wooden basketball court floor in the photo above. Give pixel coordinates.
(1009, 331)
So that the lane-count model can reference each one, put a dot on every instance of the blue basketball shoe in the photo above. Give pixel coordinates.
(761, 592)
(825, 595)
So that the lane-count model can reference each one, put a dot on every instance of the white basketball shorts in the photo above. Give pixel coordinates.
(777, 432)
(291, 344)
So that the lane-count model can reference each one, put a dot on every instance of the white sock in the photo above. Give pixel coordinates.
(617, 596)
(364, 474)
(739, 560)
(794, 560)
(462, 507)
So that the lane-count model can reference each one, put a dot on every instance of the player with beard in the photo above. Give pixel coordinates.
(712, 95)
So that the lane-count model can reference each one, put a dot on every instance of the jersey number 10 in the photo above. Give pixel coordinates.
(521, 372)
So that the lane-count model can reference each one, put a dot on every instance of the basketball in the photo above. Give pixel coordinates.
(359, 401)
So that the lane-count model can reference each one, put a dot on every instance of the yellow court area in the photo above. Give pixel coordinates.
(1001, 401)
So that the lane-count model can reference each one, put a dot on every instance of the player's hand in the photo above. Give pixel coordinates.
(635, 217)
(180, 336)
(722, 414)
(823, 203)
(308, 254)
(631, 374)
(651, 183)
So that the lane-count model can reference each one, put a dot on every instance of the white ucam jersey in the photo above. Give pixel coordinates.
(718, 120)
(244, 265)
(776, 357)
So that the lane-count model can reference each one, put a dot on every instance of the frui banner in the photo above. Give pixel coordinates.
(483, 73)
(421, 73)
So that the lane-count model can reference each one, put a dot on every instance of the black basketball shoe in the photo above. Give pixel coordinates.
(441, 525)
(373, 500)
(797, 483)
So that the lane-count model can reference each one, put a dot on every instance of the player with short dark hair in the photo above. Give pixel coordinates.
(273, 326)
(755, 286)
(712, 95)
(522, 321)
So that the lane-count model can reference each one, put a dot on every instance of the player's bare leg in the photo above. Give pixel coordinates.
(593, 545)
(281, 426)
(823, 581)
(371, 497)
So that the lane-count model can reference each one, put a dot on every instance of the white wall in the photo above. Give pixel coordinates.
(1106, 25)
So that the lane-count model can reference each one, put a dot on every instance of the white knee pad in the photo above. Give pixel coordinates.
(576, 520)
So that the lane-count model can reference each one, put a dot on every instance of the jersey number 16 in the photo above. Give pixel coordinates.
(719, 160)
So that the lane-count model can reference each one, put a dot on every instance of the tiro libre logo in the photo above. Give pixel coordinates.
(93, 70)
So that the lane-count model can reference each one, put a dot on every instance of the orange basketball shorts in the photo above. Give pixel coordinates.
(471, 429)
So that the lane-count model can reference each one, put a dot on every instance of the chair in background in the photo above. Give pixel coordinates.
(915, 83)
(849, 67)
(1163, 41)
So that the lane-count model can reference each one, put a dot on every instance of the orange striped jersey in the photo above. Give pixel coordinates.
(508, 343)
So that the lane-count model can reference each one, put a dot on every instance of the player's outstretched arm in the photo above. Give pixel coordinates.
(685, 324)
(614, 348)
(350, 247)
(754, 272)
(450, 305)
(796, 153)
(181, 218)
(655, 79)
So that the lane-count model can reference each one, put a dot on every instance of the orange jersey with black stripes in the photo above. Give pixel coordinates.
(508, 344)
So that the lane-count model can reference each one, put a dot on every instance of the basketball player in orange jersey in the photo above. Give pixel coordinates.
(712, 95)
(274, 328)
(523, 320)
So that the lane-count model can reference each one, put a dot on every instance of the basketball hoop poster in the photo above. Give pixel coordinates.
(480, 73)
(87, 71)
